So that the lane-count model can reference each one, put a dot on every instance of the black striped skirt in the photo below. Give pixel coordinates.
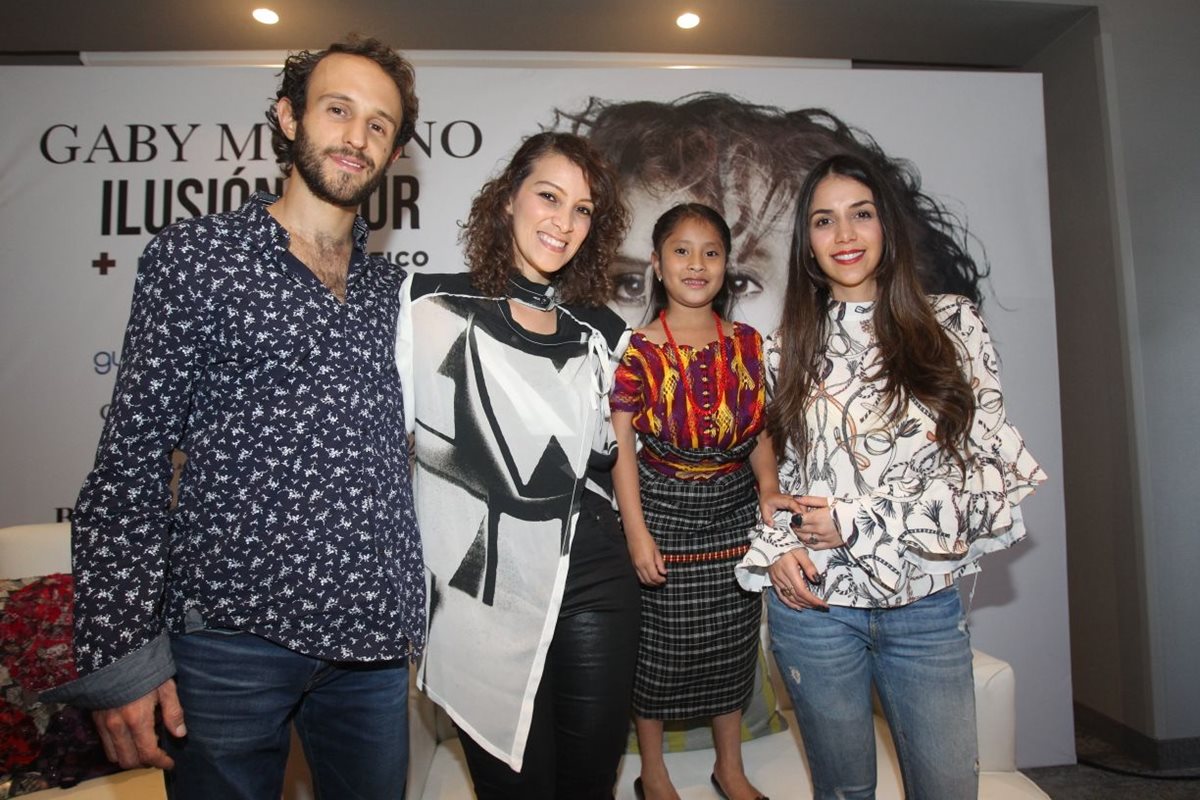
(699, 632)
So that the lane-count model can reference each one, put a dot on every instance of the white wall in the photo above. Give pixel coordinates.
(1149, 62)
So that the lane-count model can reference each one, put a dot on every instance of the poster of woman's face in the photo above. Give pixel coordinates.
(747, 161)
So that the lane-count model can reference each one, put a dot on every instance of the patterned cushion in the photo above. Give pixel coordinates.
(42, 745)
(760, 717)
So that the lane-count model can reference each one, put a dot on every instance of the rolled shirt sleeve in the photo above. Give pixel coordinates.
(120, 524)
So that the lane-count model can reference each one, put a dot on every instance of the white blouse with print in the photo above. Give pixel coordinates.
(912, 521)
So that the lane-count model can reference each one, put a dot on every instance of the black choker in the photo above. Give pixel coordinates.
(535, 295)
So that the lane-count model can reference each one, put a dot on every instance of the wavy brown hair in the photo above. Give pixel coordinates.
(298, 69)
(487, 235)
(917, 358)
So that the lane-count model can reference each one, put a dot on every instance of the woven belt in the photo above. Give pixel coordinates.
(715, 555)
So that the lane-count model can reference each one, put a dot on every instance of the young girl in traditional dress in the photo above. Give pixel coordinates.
(691, 389)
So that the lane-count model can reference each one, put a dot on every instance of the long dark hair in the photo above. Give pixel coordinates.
(665, 226)
(917, 357)
(487, 235)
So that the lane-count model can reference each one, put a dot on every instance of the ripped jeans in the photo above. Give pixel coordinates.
(918, 657)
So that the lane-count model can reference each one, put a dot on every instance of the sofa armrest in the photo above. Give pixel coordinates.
(995, 713)
(29, 550)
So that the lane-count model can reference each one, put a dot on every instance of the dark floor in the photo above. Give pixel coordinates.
(1085, 781)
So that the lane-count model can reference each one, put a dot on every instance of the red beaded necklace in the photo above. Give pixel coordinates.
(722, 374)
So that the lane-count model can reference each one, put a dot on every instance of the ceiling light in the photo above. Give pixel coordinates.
(265, 15)
(688, 20)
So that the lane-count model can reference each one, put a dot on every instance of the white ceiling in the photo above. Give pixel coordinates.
(962, 33)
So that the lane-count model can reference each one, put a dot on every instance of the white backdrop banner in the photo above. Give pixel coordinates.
(94, 161)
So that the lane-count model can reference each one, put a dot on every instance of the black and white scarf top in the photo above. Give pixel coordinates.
(511, 427)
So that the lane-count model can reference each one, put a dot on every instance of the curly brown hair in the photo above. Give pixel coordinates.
(487, 235)
(298, 69)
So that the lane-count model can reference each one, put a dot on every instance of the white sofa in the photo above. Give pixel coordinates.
(437, 771)
(775, 763)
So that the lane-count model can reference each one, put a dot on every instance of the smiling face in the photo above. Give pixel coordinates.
(756, 272)
(691, 263)
(344, 141)
(551, 216)
(846, 237)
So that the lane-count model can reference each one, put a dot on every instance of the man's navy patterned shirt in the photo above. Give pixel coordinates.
(295, 517)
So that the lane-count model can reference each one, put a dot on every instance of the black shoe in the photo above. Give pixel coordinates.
(716, 785)
(638, 791)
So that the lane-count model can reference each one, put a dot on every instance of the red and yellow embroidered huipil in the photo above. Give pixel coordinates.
(648, 385)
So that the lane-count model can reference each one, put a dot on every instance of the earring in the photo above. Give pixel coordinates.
(658, 277)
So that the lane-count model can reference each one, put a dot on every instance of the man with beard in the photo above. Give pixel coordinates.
(286, 585)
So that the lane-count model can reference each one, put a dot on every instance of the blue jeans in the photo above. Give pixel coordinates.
(240, 693)
(918, 657)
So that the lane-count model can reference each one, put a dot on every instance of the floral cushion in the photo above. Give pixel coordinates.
(42, 745)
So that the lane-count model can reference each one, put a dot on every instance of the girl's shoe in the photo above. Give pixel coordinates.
(716, 785)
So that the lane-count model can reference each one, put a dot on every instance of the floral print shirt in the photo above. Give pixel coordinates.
(295, 518)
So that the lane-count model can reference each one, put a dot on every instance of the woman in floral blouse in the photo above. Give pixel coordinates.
(897, 445)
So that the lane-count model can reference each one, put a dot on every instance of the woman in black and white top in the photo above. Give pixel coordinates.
(534, 604)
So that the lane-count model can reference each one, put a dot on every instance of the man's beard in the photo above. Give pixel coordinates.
(342, 189)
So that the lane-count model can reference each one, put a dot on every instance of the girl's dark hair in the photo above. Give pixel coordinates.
(487, 235)
(917, 358)
(298, 69)
(665, 226)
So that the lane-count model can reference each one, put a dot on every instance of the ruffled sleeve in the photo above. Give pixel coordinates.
(769, 543)
(926, 512)
(922, 515)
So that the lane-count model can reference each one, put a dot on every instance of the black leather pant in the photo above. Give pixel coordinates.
(581, 712)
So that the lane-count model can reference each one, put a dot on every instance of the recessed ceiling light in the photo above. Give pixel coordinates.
(265, 15)
(688, 20)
